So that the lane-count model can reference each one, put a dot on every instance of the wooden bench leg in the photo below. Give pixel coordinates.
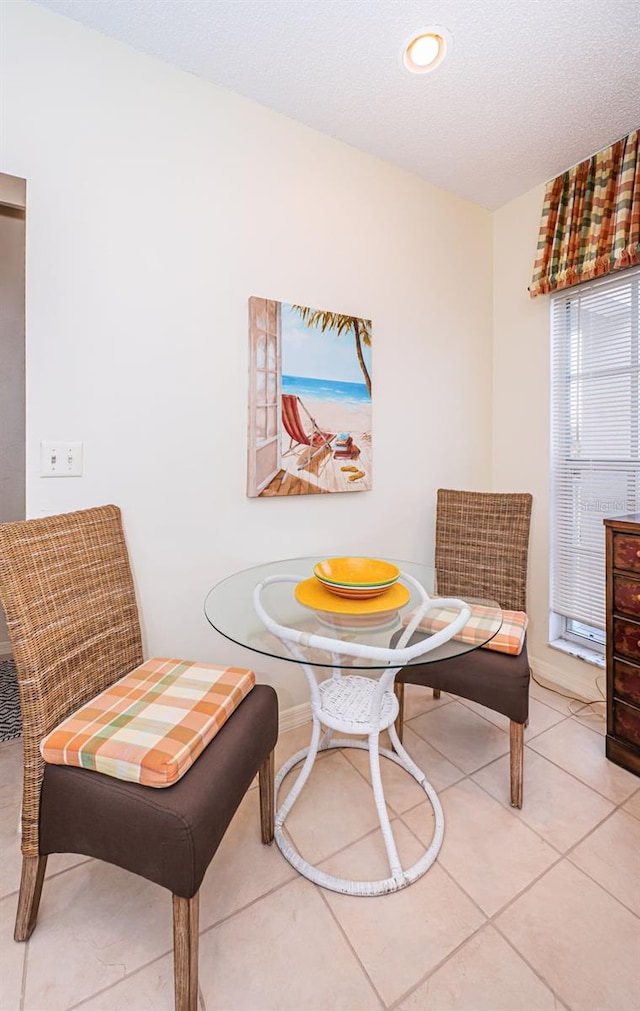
(516, 761)
(398, 688)
(185, 951)
(33, 869)
(436, 693)
(267, 800)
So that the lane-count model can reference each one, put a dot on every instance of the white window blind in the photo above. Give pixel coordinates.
(595, 434)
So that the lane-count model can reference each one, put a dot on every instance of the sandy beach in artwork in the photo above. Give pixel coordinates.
(336, 417)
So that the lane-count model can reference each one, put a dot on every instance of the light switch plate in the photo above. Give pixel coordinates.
(60, 459)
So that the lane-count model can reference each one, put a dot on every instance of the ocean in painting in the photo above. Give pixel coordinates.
(355, 394)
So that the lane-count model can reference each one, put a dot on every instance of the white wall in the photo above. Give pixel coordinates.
(157, 204)
(521, 434)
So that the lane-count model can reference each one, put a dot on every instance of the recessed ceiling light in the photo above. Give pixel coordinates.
(426, 50)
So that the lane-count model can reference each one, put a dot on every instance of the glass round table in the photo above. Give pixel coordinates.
(281, 610)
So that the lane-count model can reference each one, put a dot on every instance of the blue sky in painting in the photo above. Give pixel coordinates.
(306, 351)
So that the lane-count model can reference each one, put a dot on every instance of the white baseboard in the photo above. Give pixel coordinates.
(294, 717)
(581, 685)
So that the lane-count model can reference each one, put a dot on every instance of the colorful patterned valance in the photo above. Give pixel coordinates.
(590, 221)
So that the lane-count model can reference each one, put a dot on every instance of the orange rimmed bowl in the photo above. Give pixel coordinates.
(356, 578)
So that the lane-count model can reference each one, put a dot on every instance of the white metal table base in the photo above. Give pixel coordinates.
(399, 877)
(359, 705)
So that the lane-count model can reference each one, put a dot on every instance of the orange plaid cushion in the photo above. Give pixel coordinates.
(509, 638)
(152, 724)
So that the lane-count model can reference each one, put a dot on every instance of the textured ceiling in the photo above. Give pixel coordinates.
(530, 88)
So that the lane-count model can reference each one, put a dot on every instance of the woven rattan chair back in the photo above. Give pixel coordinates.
(482, 545)
(82, 634)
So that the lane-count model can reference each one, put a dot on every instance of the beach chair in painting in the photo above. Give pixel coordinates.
(316, 439)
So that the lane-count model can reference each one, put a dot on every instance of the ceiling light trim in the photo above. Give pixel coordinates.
(413, 59)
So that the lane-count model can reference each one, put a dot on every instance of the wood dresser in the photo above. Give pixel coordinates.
(623, 641)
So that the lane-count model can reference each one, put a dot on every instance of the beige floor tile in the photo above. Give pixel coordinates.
(594, 717)
(611, 855)
(11, 862)
(541, 717)
(489, 852)
(401, 789)
(290, 742)
(335, 808)
(10, 772)
(466, 739)
(367, 859)
(485, 974)
(418, 700)
(440, 772)
(150, 989)
(399, 937)
(632, 806)
(555, 805)
(285, 952)
(580, 939)
(227, 886)
(12, 956)
(97, 923)
(580, 751)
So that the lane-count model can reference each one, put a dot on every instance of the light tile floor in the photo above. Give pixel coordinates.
(531, 909)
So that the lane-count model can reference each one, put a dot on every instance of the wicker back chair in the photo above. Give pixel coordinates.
(482, 546)
(71, 610)
(68, 594)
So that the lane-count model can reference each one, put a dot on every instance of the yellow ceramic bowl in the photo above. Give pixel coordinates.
(356, 573)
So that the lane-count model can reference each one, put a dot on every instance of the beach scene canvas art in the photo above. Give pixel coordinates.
(309, 400)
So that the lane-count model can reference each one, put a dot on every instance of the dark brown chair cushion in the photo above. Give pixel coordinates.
(90, 813)
(499, 681)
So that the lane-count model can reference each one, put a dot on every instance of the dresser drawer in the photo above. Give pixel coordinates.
(626, 595)
(626, 552)
(626, 681)
(626, 638)
(626, 723)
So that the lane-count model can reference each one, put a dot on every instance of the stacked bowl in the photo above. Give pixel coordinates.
(356, 578)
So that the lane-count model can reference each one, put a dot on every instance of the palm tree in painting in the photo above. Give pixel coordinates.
(361, 329)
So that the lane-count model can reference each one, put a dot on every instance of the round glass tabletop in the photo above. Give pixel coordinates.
(303, 603)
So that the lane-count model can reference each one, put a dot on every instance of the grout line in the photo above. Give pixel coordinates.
(636, 793)
(201, 1000)
(583, 782)
(118, 982)
(440, 964)
(23, 982)
(258, 898)
(587, 873)
(490, 920)
(56, 874)
(561, 1004)
(345, 936)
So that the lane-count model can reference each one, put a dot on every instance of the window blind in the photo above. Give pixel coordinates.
(595, 426)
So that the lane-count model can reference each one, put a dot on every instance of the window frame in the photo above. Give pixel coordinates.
(571, 472)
